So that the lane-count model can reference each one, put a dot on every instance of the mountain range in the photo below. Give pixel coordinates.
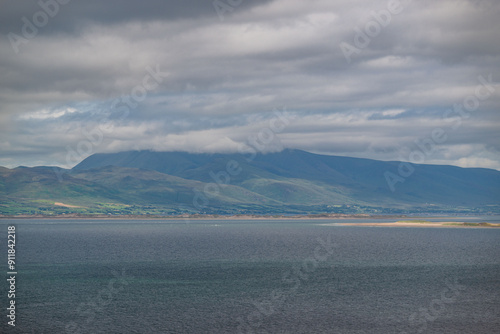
(290, 181)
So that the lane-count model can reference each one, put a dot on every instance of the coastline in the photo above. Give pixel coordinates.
(207, 217)
(445, 224)
(399, 220)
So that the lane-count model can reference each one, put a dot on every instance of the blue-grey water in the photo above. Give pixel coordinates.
(223, 276)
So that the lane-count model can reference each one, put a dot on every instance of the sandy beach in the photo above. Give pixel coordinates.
(450, 224)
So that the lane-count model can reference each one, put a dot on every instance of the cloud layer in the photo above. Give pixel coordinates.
(81, 79)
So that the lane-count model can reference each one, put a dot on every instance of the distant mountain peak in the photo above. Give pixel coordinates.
(355, 180)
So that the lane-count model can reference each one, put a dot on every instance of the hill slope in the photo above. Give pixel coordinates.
(291, 181)
(305, 176)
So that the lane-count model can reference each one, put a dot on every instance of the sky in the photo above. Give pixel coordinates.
(397, 80)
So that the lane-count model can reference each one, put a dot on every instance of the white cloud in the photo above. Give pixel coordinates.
(47, 114)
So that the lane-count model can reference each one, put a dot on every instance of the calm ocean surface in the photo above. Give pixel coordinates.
(226, 276)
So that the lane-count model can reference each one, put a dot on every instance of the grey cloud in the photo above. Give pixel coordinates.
(76, 15)
(225, 77)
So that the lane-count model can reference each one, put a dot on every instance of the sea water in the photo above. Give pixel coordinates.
(251, 276)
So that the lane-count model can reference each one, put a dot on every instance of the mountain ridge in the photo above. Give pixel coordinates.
(363, 176)
(286, 181)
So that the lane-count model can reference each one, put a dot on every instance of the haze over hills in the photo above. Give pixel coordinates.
(288, 181)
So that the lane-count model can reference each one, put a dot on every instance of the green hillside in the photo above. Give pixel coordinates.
(170, 183)
(361, 180)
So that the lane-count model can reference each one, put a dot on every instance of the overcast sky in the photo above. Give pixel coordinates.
(342, 77)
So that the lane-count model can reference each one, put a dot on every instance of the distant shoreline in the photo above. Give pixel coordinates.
(207, 216)
(400, 220)
(417, 223)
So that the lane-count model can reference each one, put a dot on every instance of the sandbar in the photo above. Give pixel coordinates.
(418, 223)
